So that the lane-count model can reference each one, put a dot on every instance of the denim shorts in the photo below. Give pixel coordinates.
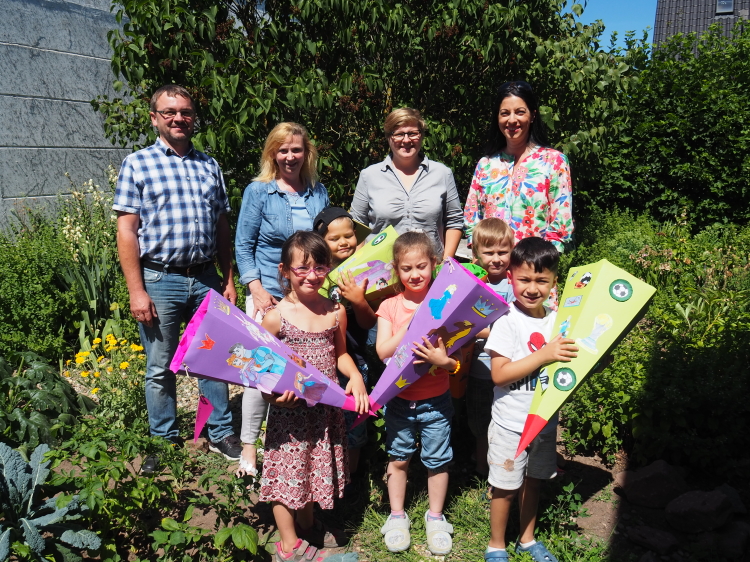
(430, 419)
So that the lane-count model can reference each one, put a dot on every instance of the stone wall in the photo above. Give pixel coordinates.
(54, 59)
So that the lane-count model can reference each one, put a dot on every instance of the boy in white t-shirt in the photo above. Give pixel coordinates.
(520, 346)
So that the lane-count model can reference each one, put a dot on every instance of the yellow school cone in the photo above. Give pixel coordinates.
(600, 304)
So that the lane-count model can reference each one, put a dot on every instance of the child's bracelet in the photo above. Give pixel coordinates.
(458, 366)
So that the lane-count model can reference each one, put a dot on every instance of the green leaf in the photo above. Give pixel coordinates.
(170, 524)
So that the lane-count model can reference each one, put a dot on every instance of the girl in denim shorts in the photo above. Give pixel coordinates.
(424, 408)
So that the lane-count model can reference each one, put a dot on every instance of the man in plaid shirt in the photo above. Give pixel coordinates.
(172, 228)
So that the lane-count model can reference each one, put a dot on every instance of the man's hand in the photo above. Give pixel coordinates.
(142, 307)
(228, 290)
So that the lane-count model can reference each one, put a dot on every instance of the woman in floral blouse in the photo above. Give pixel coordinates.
(521, 179)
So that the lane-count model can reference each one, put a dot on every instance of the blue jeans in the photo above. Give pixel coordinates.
(176, 298)
(431, 418)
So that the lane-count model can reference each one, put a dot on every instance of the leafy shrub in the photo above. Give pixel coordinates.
(35, 306)
(35, 525)
(657, 397)
(685, 141)
(36, 404)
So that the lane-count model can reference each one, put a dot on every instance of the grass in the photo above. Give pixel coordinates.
(468, 511)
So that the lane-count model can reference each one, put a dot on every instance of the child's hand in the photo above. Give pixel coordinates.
(356, 387)
(286, 400)
(560, 349)
(437, 356)
(350, 290)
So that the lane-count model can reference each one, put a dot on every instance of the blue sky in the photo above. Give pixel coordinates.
(620, 16)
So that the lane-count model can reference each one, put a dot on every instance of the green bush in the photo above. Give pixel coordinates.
(677, 384)
(36, 403)
(685, 140)
(35, 307)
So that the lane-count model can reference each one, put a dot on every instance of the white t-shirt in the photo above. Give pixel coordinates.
(515, 336)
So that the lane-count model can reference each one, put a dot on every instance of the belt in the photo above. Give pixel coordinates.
(189, 271)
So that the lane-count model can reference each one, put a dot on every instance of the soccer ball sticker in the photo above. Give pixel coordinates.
(620, 290)
(379, 239)
(334, 293)
(564, 379)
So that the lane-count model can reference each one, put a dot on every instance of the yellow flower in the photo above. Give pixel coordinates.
(66, 373)
(100, 359)
(109, 369)
(68, 362)
(79, 360)
(97, 374)
(84, 353)
(124, 365)
(84, 373)
(136, 347)
(97, 341)
(123, 342)
(141, 355)
(94, 390)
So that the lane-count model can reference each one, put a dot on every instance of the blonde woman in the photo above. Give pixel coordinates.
(285, 197)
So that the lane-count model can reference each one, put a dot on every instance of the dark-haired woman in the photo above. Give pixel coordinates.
(520, 179)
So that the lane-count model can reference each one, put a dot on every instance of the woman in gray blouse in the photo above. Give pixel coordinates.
(408, 190)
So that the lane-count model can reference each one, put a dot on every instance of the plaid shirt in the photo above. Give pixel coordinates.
(179, 201)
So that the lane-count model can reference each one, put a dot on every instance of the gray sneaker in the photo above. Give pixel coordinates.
(230, 447)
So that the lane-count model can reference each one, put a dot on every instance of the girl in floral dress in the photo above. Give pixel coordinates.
(305, 459)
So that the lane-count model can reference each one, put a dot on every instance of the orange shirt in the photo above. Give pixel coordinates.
(429, 385)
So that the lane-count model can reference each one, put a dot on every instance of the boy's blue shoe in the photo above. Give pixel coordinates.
(538, 552)
(495, 555)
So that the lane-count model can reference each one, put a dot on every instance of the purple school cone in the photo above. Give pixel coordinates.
(201, 416)
(222, 343)
(457, 307)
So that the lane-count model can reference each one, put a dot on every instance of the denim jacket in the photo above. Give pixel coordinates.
(264, 224)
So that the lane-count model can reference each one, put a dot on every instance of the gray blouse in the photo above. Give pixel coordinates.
(431, 205)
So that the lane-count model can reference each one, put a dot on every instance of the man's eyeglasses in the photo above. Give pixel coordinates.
(303, 271)
(413, 135)
(170, 114)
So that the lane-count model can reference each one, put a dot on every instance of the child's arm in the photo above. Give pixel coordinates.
(355, 294)
(483, 334)
(505, 371)
(387, 341)
(272, 323)
(438, 356)
(347, 367)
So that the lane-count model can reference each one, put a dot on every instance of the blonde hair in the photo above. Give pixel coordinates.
(491, 231)
(412, 241)
(401, 118)
(269, 169)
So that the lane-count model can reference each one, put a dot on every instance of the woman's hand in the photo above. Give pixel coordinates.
(437, 356)
(262, 299)
(350, 290)
(287, 400)
(356, 387)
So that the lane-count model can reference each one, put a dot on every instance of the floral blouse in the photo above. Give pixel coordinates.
(534, 197)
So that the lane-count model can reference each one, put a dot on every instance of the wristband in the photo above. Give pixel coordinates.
(458, 366)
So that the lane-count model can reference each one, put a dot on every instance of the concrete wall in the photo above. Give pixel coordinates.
(54, 59)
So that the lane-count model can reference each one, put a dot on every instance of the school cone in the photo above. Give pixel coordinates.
(456, 308)
(600, 304)
(222, 343)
